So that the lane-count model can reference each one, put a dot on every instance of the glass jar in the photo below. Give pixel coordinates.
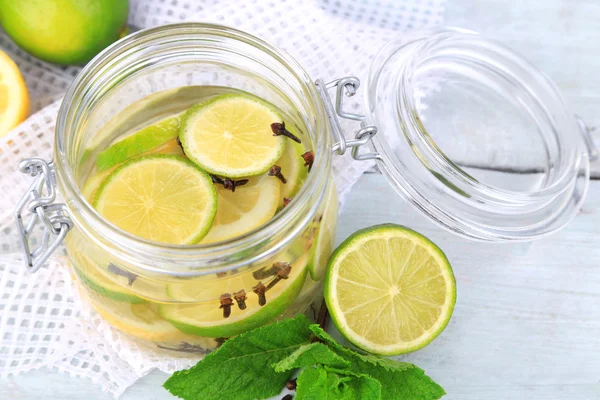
(520, 171)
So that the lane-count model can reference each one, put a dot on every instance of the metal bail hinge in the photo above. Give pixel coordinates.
(346, 87)
(39, 201)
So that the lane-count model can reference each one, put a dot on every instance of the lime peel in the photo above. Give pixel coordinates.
(389, 289)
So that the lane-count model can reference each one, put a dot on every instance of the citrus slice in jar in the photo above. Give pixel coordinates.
(208, 318)
(93, 279)
(92, 184)
(325, 238)
(161, 198)
(244, 209)
(140, 320)
(231, 136)
(292, 168)
(389, 290)
(143, 141)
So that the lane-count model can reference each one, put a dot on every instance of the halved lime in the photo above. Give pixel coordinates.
(230, 135)
(93, 279)
(249, 207)
(207, 319)
(161, 198)
(389, 289)
(325, 238)
(292, 168)
(142, 141)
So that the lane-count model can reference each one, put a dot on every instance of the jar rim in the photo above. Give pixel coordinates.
(295, 212)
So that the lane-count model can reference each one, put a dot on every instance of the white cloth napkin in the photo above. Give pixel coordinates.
(42, 320)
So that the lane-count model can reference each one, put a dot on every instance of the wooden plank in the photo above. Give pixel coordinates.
(560, 37)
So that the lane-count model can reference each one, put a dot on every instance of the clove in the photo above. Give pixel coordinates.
(226, 303)
(227, 183)
(283, 272)
(291, 384)
(276, 171)
(240, 298)
(309, 159)
(286, 201)
(220, 341)
(131, 277)
(185, 347)
(279, 130)
(180, 145)
(260, 290)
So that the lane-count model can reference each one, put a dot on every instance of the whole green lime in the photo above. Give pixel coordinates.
(64, 31)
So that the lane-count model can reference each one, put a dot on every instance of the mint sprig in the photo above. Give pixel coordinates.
(323, 383)
(257, 364)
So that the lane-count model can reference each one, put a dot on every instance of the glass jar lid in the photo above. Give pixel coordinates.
(475, 137)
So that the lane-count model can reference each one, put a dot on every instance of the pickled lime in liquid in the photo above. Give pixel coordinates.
(195, 314)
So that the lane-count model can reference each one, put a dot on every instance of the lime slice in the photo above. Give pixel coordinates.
(95, 181)
(292, 168)
(137, 144)
(161, 198)
(231, 136)
(206, 318)
(93, 279)
(139, 320)
(321, 249)
(389, 290)
(244, 210)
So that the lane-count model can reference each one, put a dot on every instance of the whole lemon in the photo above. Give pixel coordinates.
(64, 31)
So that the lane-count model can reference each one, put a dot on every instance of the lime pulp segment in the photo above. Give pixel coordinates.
(160, 198)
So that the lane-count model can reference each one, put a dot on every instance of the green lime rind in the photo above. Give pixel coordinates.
(268, 312)
(373, 232)
(111, 292)
(66, 32)
(317, 264)
(201, 173)
(186, 130)
(292, 168)
(139, 143)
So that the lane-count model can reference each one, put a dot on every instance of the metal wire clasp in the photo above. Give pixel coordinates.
(346, 87)
(39, 201)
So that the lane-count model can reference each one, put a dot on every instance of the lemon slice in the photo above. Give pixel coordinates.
(161, 198)
(244, 210)
(389, 290)
(292, 168)
(207, 319)
(14, 99)
(139, 143)
(231, 136)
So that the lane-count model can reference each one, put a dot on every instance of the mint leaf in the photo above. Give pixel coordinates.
(323, 383)
(239, 369)
(399, 380)
(308, 355)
